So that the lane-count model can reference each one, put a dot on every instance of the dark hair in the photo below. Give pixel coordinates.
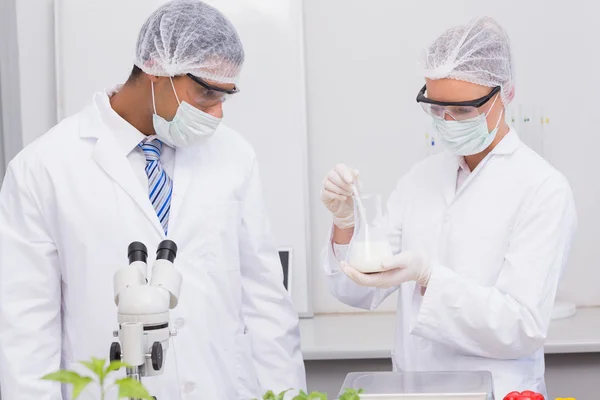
(136, 72)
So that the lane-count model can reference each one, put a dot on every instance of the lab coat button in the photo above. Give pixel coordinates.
(179, 323)
(189, 387)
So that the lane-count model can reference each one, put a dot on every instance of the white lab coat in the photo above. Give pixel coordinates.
(498, 246)
(69, 207)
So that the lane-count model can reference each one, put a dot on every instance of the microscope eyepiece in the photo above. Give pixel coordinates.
(137, 252)
(167, 250)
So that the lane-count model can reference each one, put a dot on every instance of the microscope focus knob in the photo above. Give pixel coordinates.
(115, 352)
(157, 356)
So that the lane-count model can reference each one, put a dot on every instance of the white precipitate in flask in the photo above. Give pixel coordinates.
(367, 256)
(369, 246)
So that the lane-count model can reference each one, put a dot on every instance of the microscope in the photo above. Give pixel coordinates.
(143, 309)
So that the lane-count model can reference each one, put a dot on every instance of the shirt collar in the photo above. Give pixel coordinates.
(462, 164)
(126, 135)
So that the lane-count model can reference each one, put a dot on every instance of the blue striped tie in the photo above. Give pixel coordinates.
(160, 185)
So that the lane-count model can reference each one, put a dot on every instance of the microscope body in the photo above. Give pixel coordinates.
(143, 309)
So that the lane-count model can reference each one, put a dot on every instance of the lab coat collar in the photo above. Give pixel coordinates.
(127, 136)
(186, 161)
(109, 154)
(451, 165)
(509, 143)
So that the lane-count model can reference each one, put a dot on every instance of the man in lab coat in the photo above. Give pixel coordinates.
(479, 234)
(147, 161)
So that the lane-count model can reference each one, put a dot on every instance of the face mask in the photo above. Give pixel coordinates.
(467, 137)
(189, 127)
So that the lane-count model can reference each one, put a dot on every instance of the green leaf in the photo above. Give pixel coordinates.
(269, 395)
(301, 396)
(70, 377)
(115, 366)
(64, 376)
(281, 396)
(351, 394)
(317, 396)
(78, 387)
(96, 366)
(129, 387)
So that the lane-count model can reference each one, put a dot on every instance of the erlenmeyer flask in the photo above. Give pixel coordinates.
(369, 246)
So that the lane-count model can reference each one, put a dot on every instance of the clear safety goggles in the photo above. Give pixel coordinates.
(211, 95)
(458, 110)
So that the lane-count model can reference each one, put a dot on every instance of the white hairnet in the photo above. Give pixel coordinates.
(478, 52)
(188, 36)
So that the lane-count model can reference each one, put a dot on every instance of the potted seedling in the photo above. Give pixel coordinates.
(127, 387)
(349, 394)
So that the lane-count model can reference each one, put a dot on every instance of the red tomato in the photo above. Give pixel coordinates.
(526, 395)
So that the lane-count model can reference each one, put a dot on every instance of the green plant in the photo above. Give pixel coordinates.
(310, 396)
(128, 387)
(270, 395)
(349, 394)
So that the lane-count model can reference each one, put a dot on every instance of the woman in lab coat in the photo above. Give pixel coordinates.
(73, 201)
(480, 233)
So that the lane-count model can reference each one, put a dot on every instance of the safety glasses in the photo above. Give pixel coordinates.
(458, 110)
(213, 94)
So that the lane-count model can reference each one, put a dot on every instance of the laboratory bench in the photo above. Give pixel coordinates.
(371, 335)
(336, 344)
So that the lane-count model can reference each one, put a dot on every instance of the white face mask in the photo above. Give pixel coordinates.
(189, 127)
(467, 137)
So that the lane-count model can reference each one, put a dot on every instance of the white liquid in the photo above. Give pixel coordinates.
(367, 256)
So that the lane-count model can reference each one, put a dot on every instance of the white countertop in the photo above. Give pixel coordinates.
(342, 336)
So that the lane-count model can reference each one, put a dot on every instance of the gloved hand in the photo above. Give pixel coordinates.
(404, 267)
(337, 195)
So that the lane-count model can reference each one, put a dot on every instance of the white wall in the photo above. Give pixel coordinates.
(10, 108)
(35, 24)
(358, 54)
